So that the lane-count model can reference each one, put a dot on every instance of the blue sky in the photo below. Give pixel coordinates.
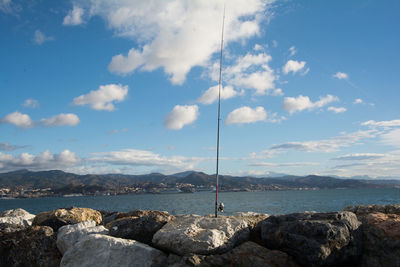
(309, 87)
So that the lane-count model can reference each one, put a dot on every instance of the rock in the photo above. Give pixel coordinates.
(315, 239)
(381, 240)
(68, 235)
(108, 216)
(16, 217)
(193, 234)
(33, 246)
(253, 220)
(8, 227)
(102, 250)
(247, 254)
(363, 210)
(61, 217)
(140, 225)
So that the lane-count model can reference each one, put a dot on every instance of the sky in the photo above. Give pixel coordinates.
(308, 87)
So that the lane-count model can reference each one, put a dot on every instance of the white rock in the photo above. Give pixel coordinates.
(195, 234)
(101, 250)
(17, 217)
(68, 235)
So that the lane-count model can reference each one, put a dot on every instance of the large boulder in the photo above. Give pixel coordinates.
(102, 250)
(139, 225)
(363, 210)
(381, 240)
(68, 235)
(17, 217)
(315, 239)
(247, 254)
(33, 246)
(60, 217)
(194, 234)
(253, 220)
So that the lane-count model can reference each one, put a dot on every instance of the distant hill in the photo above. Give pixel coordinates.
(57, 179)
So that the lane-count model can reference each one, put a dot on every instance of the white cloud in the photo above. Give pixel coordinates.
(337, 109)
(341, 75)
(74, 16)
(9, 7)
(292, 51)
(136, 157)
(275, 43)
(283, 164)
(250, 72)
(246, 115)
(392, 123)
(18, 119)
(178, 35)
(294, 66)
(44, 161)
(358, 101)
(257, 47)
(102, 98)
(62, 119)
(392, 138)
(211, 94)
(31, 103)
(181, 116)
(39, 38)
(300, 103)
(360, 156)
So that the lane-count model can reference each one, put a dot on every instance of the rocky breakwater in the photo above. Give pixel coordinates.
(359, 236)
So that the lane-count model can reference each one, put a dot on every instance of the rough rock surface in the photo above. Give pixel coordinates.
(16, 217)
(60, 217)
(193, 234)
(381, 240)
(139, 225)
(33, 246)
(253, 220)
(68, 235)
(247, 254)
(362, 210)
(102, 250)
(315, 239)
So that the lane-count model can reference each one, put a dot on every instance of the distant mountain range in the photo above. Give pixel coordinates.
(58, 179)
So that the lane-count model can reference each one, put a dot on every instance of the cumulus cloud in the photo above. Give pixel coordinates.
(341, 75)
(102, 98)
(292, 51)
(360, 156)
(62, 119)
(392, 123)
(392, 138)
(300, 103)
(246, 115)
(178, 35)
(181, 116)
(337, 109)
(7, 147)
(294, 66)
(251, 72)
(39, 37)
(31, 103)
(18, 119)
(211, 94)
(74, 16)
(358, 101)
(44, 161)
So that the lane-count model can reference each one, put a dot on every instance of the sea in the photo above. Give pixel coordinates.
(203, 203)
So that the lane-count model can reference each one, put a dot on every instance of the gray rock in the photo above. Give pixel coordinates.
(193, 234)
(362, 210)
(139, 225)
(16, 217)
(253, 220)
(247, 254)
(68, 235)
(381, 240)
(102, 250)
(315, 239)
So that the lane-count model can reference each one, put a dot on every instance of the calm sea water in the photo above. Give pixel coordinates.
(271, 202)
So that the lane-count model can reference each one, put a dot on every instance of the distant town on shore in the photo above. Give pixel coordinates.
(29, 184)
